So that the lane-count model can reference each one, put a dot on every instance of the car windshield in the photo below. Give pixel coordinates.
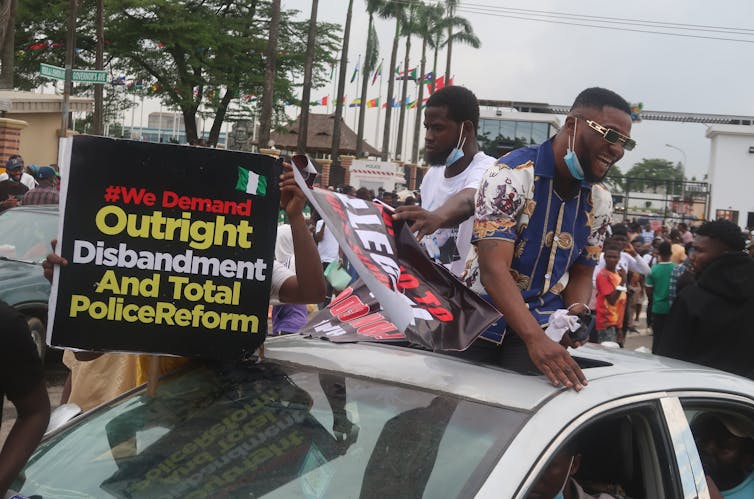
(278, 431)
(26, 234)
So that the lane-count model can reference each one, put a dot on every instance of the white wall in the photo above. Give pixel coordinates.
(731, 170)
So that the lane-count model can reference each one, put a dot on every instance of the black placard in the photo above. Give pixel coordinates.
(167, 251)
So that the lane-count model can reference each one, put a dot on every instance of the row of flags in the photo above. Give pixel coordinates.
(372, 103)
(411, 74)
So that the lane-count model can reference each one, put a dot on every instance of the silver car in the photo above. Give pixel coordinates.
(323, 420)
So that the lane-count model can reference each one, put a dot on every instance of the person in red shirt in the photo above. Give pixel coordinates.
(611, 296)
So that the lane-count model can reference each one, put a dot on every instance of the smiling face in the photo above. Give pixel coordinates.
(15, 174)
(597, 155)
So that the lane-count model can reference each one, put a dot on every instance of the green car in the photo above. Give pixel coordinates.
(25, 235)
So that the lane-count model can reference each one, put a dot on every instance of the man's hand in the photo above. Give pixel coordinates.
(52, 259)
(292, 199)
(425, 222)
(555, 362)
(11, 202)
(629, 248)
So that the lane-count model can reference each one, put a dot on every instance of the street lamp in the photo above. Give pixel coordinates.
(680, 150)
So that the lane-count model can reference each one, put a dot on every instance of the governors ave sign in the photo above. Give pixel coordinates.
(78, 75)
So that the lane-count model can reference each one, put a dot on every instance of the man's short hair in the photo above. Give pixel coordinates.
(461, 103)
(619, 230)
(598, 98)
(664, 249)
(724, 231)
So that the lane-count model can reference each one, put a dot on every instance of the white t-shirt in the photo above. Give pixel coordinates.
(328, 246)
(26, 179)
(450, 246)
(280, 274)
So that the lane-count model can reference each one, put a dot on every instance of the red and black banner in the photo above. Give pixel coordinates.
(439, 311)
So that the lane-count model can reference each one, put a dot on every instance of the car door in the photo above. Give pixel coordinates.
(625, 446)
(702, 412)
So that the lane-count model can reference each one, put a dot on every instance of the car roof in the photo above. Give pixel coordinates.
(52, 209)
(491, 384)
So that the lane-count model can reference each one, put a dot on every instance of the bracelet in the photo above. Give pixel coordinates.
(589, 310)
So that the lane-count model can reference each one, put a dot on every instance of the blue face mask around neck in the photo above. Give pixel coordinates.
(457, 152)
(571, 159)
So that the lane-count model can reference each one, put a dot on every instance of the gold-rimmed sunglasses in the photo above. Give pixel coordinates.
(612, 136)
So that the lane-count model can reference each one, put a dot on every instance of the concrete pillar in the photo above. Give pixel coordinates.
(346, 162)
(324, 176)
(10, 139)
(412, 176)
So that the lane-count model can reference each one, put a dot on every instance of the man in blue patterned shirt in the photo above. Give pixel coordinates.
(541, 218)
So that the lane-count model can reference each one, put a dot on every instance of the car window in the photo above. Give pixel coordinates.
(622, 453)
(275, 431)
(724, 435)
(26, 235)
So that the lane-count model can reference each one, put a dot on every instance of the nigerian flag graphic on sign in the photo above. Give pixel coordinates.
(251, 183)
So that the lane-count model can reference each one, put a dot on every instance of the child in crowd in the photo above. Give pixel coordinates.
(611, 296)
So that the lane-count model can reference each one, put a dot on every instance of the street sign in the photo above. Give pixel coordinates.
(79, 75)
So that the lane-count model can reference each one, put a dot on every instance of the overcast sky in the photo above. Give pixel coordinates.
(526, 60)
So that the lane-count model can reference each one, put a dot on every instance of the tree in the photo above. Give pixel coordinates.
(303, 129)
(450, 6)
(430, 17)
(338, 119)
(270, 71)
(408, 28)
(655, 174)
(391, 10)
(7, 35)
(615, 179)
(370, 61)
(192, 55)
(465, 35)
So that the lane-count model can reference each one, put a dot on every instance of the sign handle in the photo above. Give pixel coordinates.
(153, 375)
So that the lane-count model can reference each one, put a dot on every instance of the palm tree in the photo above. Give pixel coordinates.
(409, 28)
(265, 118)
(391, 10)
(370, 60)
(303, 127)
(450, 7)
(463, 35)
(338, 118)
(431, 17)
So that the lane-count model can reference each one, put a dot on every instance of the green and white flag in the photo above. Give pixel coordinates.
(251, 183)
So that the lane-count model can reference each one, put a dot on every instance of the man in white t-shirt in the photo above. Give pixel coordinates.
(328, 249)
(444, 220)
(26, 179)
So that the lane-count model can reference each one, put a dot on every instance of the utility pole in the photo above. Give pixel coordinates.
(99, 64)
(68, 82)
(265, 120)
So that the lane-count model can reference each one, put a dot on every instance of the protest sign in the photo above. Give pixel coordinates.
(170, 248)
(398, 283)
(366, 238)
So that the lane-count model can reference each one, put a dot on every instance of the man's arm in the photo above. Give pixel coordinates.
(308, 286)
(33, 415)
(635, 261)
(454, 210)
(579, 287)
(495, 257)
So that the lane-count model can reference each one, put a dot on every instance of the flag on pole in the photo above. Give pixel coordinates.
(323, 101)
(411, 75)
(355, 102)
(251, 183)
(332, 70)
(429, 78)
(377, 72)
(439, 83)
(356, 69)
(373, 103)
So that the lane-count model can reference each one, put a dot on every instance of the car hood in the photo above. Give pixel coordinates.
(22, 282)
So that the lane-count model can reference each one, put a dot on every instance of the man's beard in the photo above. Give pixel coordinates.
(437, 159)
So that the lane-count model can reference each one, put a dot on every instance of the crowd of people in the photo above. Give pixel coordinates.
(25, 185)
(531, 232)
